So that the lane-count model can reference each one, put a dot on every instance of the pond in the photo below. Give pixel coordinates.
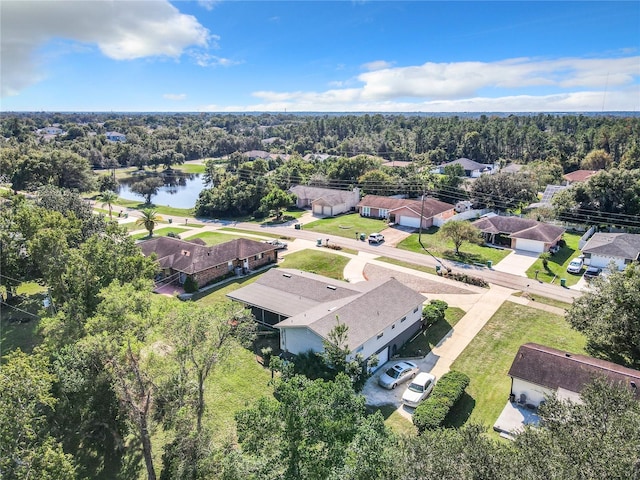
(180, 190)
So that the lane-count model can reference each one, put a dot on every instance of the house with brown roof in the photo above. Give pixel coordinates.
(305, 307)
(179, 259)
(519, 233)
(406, 212)
(578, 176)
(538, 372)
(326, 202)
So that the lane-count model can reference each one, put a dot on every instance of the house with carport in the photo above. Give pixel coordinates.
(179, 259)
(604, 248)
(326, 202)
(407, 212)
(304, 307)
(519, 233)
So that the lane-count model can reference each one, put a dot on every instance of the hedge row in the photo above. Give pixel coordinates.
(468, 279)
(447, 391)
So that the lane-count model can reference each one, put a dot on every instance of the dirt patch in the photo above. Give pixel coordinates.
(419, 284)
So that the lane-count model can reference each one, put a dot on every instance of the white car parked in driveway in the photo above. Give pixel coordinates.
(419, 389)
(575, 266)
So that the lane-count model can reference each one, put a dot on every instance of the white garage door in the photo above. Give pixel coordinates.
(529, 245)
(383, 357)
(327, 210)
(317, 209)
(409, 222)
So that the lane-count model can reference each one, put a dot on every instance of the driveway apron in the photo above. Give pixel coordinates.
(517, 263)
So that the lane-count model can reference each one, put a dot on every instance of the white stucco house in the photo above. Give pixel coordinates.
(305, 307)
(620, 248)
(326, 202)
(519, 233)
(407, 212)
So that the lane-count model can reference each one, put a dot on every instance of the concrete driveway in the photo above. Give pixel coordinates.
(517, 262)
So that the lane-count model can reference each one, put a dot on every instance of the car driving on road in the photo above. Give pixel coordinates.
(399, 373)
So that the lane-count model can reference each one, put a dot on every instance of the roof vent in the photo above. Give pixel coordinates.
(186, 253)
(332, 287)
(286, 275)
(633, 385)
(568, 355)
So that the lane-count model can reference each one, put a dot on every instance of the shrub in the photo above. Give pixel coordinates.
(266, 352)
(433, 312)
(173, 235)
(464, 278)
(431, 413)
(190, 285)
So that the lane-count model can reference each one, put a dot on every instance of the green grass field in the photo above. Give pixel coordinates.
(346, 225)
(320, 262)
(558, 263)
(19, 329)
(421, 268)
(469, 253)
(546, 300)
(215, 238)
(488, 357)
(160, 232)
(429, 338)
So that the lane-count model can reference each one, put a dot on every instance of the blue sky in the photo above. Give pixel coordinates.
(155, 55)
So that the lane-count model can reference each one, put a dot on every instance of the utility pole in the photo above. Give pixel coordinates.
(448, 269)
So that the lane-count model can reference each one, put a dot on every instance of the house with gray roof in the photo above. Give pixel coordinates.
(305, 307)
(519, 233)
(179, 259)
(620, 248)
(471, 168)
(326, 202)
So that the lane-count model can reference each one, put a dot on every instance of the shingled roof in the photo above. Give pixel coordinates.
(556, 369)
(517, 227)
(191, 257)
(430, 208)
(623, 245)
(579, 175)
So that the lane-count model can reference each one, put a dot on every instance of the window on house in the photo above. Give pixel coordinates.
(380, 335)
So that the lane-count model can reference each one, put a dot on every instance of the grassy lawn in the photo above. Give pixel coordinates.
(558, 263)
(19, 329)
(190, 168)
(251, 232)
(488, 357)
(211, 297)
(160, 232)
(546, 300)
(469, 253)
(161, 209)
(320, 262)
(421, 268)
(215, 238)
(393, 420)
(346, 225)
(429, 338)
(233, 386)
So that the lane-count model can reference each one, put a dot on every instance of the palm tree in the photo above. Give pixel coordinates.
(149, 219)
(108, 198)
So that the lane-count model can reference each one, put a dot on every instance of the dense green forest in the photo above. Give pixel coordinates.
(339, 151)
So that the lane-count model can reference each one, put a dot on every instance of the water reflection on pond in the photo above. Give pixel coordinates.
(180, 189)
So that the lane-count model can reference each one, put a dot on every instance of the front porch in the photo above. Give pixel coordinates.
(514, 417)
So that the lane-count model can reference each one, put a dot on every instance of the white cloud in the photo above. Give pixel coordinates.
(208, 4)
(519, 84)
(175, 96)
(376, 65)
(204, 59)
(121, 30)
